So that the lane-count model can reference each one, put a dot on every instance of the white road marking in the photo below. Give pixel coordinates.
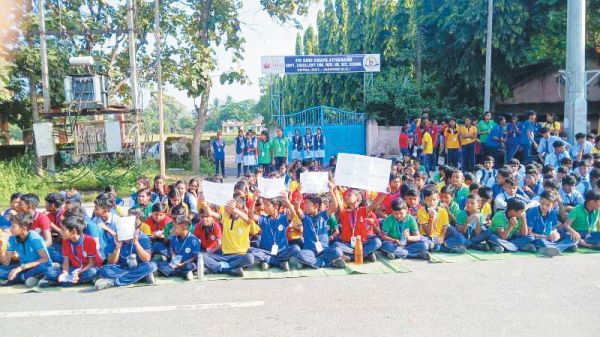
(116, 311)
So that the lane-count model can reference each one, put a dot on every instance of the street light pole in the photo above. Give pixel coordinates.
(45, 82)
(575, 96)
(159, 94)
(488, 58)
(134, 81)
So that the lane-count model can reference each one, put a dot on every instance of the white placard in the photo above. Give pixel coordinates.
(314, 182)
(44, 139)
(271, 188)
(362, 172)
(125, 227)
(217, 194)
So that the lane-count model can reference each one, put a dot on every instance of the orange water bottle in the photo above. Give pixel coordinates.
(358, 251)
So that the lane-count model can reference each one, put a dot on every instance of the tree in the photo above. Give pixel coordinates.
(178, 118)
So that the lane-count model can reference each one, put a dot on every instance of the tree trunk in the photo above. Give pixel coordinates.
(202, 111)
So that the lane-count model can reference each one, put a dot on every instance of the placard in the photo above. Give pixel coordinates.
(271, 188)
(314, 182)
(217, 194)
(125, 227)
(44, 139)
(362, 172)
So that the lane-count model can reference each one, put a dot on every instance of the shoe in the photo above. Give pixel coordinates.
(573, 249)
(104, 283)
(239, 272)
(150, 279)
(264, 266)
(484, 247)
(390, 256)
(62, 278)
(5, 283)
(189, 275)
(529, 248)
(285, 266)
(338, 263)
(371, 257)
(295, 264)
(549, 251)
(498, 249)
(458, 250)
(32, 281)
(424, 255)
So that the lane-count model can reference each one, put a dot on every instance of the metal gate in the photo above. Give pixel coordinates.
(344, 131)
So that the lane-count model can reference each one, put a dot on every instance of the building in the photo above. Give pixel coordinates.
(232, 126)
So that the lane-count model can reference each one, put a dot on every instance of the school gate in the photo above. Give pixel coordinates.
(344, 131)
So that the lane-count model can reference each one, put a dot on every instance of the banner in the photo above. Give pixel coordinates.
(271, 188)
(217, 194)
(321, 64)
(314, 182)
(362, 172)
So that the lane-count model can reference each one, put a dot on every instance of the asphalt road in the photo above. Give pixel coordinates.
(524, 297)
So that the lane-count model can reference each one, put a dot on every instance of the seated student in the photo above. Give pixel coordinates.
(447, 203)
(154, 227)
(55, 211)
(274, 249)
(587, 178)
(533, 185)
(470, 223)
(184, 248)
(509, 191)
(557, 155)
(31, 250)
(543, 221)
(234, 254)
(130, 261)
(508, 230)
(435, 227)
(582, 224)
(15, 205)
(353, 221)
(144, 203)
(485, 203)
(41, 224)
(569, 196)
(81, 261)
(411, 196)
(317, 252)
(461, 191)
(400, 235)
(104, 220)
(141, 183)
(501, 177)
(209, 233)
(487, 175)
(113, 191)
(394, 193)
(174, 200)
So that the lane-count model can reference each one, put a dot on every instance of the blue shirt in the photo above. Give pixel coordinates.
(128, 248)
(106, 240)
(240, 143)
(313, 227)
(542, 224)
(273, 231)
(496, 132)
(91, 228)
(218, 147)
(187, 247)
(512, 136)
(4, 223)
(527, 128)
(29, 250)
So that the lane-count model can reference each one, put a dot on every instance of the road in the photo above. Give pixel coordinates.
(516, 297)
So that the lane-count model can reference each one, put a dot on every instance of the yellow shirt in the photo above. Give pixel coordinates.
(451, 138)
(595, 150)
(427, 143)
(553, 127)
(486, 209)
(236, 235)
(293, 186)
(438, 226)
(468, 135)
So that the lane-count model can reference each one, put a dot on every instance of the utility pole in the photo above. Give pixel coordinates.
(45, 83)
(133, 80)
(575, 96)
(159, 94)
(488, 58)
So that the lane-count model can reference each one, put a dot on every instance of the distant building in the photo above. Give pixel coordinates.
(232, 126)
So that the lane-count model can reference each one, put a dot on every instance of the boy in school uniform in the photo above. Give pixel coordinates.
(55, 211)
(104, 220)
(543, 221)
(209, 233)
(184, 248)
(155, 227)
(411, 196)
(31, 249)
(461, 191)
(470, 223)
(569, 195)
(41, 224)
(487, 175)
(509, 191)
(400, 234)
(240, 143)
(582, 223)
(508, 230)
(447, 202)
(434, 225)
(81, 261)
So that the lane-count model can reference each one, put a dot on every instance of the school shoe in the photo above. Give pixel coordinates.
(32, 281)
(458, 250)
(390, 256)
(529, 248)
(239, 272)
(264, 266)
(285, 266)
(150, 279)
(498, 249)
(338, 263)
(104, 283)
(371, 257)
(424, 255)
(572, 249)
(484, 247)
(189, 275)
(549, 251)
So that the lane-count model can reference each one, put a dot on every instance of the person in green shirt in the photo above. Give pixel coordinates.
(265, 152)
(484, 127)
(582, 223)
(280, 146)
(508, 230)
(470, 224)
(447, 202)
(461, 191)
(400, 234)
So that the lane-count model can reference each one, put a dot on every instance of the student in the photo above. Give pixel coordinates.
(159, 190)
(533, 186)
(543, 223)
(582, 223)
(15, 205)
(81, 261)
(557, 156)
(528, 131)
(240, 143)
(209, 233)
(404, 141)
(452, 143)
(394, 193)
(187, 199)
(54, 212)
(353, 221)
(569, 195)
(546, 144)
(509, 191)
(553, 126)
(105, 220)
(31, 250)
(447, 202)
(470, 223)
(411, 196)
(176, 199)
(513, 140)
(461, 191)
(265, 152)
(154, 227)
(400, 234)
(184, 248)
(484, 129)
(319, 143)
(143, 203)
(308, 153)
(508, 230)
(234, 254)
(129, 262)
(581, 147)
(468, 136)
(250, 153)
(141, 183)
(434, 225)
(487, 175)
(280, 149)
(218, 148)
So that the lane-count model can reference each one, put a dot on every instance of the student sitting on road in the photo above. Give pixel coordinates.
(208, 232)
(154, 227)
(470, 223)
(184, 248)
(400, 234)
(543, 221)
(144, 203)
(508, 230)
(582, 223)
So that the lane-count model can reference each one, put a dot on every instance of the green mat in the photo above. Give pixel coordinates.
(477, 256)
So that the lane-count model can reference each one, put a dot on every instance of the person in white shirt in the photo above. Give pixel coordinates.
(581, 147)
(569, 196)
(545, 144)
(559, 154)
(487, 175)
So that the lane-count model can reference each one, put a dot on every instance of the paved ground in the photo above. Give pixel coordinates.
(529, 297)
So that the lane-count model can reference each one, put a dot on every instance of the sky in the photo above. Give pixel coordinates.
(264, 36)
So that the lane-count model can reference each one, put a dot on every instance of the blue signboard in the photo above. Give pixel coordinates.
(320, 64)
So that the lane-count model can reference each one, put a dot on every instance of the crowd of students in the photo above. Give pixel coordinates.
(547, 205)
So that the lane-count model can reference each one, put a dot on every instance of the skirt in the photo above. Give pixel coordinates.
(319, 153)
(250, 160)
(308, 154)
(296, 155)
(239, 158)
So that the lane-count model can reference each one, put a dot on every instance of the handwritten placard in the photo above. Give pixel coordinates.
(217, 194)
(314, 182)
(271, 188)
(362, 172)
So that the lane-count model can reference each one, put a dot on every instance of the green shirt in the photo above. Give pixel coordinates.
(501, 221)
(584, 221)
(280, 146)
(461, 195)
(264, 152)
(395, 229)
(146, 211)
(169, 227)
(485, 128)
(333, 224)
(454, 209)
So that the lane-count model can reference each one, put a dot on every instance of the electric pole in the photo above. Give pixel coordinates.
(45, 83)
(575, 96)
(133, 80)
(488, 59)
(159, 94)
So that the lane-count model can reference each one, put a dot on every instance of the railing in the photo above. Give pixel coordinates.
(322, 115)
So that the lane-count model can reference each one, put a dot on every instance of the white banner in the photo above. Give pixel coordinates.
(362, 172)
(271, 188)
(125, 227)
(217, 194)
(314, 182)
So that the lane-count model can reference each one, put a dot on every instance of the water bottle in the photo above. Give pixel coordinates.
(200, 266)
(132, 261)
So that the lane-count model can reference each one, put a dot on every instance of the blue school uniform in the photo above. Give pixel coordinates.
(273, 231)
(106, 240)
(4, 223)
(187, 247)
(316, 229)
(544, 225)
(121, 273)
(28, 251)
(513, 140)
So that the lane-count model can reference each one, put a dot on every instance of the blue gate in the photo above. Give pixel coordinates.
(344, 131)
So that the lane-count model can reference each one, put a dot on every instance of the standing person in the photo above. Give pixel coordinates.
(435, 137)
(240, 143)
(528, 130)
(280, 149)
(427, 150)
(319, 144)
(484, 129)
(297, 145)
(495, 142)
(265, 152)
(309, 150)
(452, 143)
(552, 124)
(404, 140)
(250, 149)
(468, 136)
(218, 148)
(513, 140)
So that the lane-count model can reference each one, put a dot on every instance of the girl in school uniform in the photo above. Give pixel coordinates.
(308, 153)
(297, 145)
(250, 153)
(319, 145)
